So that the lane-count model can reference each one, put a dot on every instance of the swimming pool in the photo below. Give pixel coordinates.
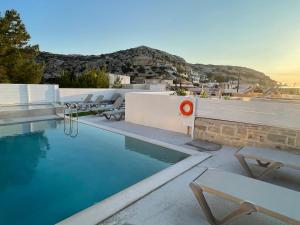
(47, 176)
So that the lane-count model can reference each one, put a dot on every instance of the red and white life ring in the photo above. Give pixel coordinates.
(186, 108)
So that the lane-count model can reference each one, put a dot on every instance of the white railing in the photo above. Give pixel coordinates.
(21, 94)
(79, 94)
(18, 94)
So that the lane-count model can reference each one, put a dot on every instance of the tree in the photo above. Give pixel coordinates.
(117, 83)
(102, 79)
(180, 69)
(141, 69)
(66, 80)
(90, 78)
(17, 57)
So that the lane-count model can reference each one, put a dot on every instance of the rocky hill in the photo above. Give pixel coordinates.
(144, 62)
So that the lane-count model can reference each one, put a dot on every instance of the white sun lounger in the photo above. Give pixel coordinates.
(252, 196)
(271, 159)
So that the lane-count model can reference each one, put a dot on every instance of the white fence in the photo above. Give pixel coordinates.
(28, 94)
(18, 94)
(160, 110)
(78, 94)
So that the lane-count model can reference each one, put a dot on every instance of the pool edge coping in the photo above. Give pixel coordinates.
(103, 210)
(178, 148)
(108, 207)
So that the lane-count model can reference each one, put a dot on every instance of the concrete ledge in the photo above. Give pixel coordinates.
(12, 113)
(27, 119)
(108, 207)
(143, 138)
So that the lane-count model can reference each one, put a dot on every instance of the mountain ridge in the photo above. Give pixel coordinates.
(144, 62)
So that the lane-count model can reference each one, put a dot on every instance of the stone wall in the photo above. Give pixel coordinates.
(239, 134)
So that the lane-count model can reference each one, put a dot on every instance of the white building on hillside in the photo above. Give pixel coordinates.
(197, 77)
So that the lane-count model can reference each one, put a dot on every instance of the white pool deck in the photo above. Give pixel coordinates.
(174, 203)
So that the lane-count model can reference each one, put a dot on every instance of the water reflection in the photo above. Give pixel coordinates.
(154, 151)
(24, 128)
(20, 153)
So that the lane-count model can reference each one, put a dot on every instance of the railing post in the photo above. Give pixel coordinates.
(28, 93)
(194, 115)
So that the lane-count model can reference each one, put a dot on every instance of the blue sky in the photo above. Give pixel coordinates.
(260, 34)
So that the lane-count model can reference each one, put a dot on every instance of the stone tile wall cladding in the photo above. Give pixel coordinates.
(239, 134)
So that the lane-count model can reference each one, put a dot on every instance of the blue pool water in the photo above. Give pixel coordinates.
(47, 176)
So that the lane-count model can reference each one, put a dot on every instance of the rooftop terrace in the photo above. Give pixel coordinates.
(155, 117)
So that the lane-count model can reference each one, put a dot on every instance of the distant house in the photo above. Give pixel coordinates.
(197, 77)
(158, 81)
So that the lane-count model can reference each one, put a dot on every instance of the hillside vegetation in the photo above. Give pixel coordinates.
(144, 62)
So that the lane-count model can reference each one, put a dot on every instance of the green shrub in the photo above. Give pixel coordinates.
(180, 92)
(117, 83)
(94, 78)
(203, 94)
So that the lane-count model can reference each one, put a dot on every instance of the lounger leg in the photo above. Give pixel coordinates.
(198, 192)
(273, 166)
(244, 164)
(107, 116)
(118, 118)
(245, 208)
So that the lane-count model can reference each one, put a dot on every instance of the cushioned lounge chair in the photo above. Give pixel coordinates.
(271, 159)
(253, 196)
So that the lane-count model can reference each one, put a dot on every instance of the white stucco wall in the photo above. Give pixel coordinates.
(160, 110)
(28, 93)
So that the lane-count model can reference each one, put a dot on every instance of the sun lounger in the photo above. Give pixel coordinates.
(271, 159)
(252, 196)
(113, 98)
(117, 114)
(98, 100)
(96, 103)
(88, 99)
(117, 104)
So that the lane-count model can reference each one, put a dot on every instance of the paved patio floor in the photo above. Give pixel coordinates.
(174, 203)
